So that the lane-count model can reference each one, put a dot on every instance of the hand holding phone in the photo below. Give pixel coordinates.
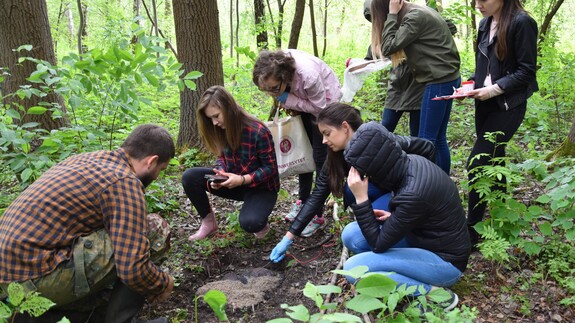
(215, 178)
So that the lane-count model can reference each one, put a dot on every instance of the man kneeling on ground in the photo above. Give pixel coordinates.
(80, 235)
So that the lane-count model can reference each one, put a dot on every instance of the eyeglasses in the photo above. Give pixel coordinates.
(274, 90)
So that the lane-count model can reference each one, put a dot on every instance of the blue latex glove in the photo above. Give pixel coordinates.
(280, 249)
(283, 97)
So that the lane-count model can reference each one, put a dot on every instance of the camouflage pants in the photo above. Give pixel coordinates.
(78, 283)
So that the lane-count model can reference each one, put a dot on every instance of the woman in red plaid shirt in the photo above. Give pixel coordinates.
(246, 156)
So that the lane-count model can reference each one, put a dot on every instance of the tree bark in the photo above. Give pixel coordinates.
(26, 23)
(260, 18)
(546, 25)
(324, 29)
(313, 31)
(567, 148)
(199, 49)
(231, 28)
(296, 23)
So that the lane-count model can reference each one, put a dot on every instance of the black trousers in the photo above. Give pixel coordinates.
(319, 155)
(490, 118)
(257, 207)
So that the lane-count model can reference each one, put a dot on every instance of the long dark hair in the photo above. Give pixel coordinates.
(279, 64)
(379, 11)
(508, 12)
(334, 115)
(235, 118)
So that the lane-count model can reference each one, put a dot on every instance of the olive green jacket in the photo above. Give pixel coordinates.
(428, 44)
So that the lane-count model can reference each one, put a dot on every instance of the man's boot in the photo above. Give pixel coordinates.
(125, 304)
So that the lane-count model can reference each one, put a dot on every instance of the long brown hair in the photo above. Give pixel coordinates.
(334, 115)
(508, 12)
(235, 118)
(379, 12)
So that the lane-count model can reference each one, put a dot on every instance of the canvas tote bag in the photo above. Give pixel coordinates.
(294, 153)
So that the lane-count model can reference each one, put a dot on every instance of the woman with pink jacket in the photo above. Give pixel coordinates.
(304, 84)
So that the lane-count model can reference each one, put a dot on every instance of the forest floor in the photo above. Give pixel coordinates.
(235, 262)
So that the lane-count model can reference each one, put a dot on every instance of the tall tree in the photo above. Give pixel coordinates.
(278, 28)
(313, 31)
(136, 7)
(324, 28)
(260, 19)
(199, 49)
(546, 25)
(231, 20)
(82, 30)
(296, 23)
(26, 23)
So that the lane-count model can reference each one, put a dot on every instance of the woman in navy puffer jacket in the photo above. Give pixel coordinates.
(422, 240)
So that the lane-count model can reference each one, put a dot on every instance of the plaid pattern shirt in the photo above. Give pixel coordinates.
(255, 157)
(76, 197)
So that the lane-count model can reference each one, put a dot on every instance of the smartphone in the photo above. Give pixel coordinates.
(216, 178)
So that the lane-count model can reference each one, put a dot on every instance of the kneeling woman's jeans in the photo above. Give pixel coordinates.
(403, 264)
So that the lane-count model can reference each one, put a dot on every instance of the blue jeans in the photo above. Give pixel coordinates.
(434, 118)
(379, 199)
(390, 118)
(403, 264)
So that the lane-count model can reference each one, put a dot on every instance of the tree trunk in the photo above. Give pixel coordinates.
(280, 25)
(237, 32)
(296, 23)
(82, 33)
(277, 28)
(231, 28)
(313, 31)
(546, 25)
(26, 23)
(136, 8)
(567, 148)
(199, 49)
(260, 18)
(324, 29)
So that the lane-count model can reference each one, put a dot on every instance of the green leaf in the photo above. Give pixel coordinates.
(298, 312)
(376, 285)
(36, 110)
(13, 114)
(280, 320)
(30, 125)
(5, 311)
(355, 272)
(25, 175)
(190, 84)
(24, 47)
(15, 293)
(193, 75)
(311, 292)
(149, 66)
(217, 301)
(364, 304)
(152, 79)
(36, 305)
(546, 228)
(341, 317)
(328, 289)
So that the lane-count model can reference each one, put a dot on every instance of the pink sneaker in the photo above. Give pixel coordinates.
(313, 226)
(294, 211)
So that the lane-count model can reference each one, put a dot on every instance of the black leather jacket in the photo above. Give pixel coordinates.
(425, 205)
(321, 191)
(516, 73)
